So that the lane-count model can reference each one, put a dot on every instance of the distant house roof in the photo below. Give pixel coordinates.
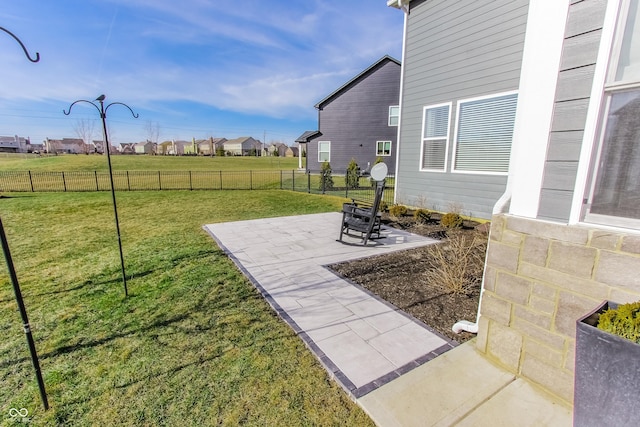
(239, 140)
(14, 139)
(350, 83)
(70, 140)
(307, 135)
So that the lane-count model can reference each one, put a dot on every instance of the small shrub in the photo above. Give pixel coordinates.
(326, 180)
(451, 220)
(397, 210)
(422, 216)
(383, 206)
(458, 263)
(353, 175)
(623, 321)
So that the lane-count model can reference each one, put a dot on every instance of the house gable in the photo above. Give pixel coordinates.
(356, 116)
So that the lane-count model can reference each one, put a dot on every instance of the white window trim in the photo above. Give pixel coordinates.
(455, 133)
(590, 139)
(329, 159)
(390, 148)
(389, 116)
(423, 139)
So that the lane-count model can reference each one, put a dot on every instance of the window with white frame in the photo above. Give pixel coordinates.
(614, 196)
(484, 132)
(394, 115)
(383, 148)
(436, 121)
(324, 151)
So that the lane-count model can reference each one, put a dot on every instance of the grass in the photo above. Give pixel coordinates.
(193, 344)
(72, 162)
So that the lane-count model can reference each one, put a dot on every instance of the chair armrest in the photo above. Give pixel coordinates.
(348, 207)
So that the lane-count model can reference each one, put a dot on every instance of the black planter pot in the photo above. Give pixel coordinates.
(607, 375)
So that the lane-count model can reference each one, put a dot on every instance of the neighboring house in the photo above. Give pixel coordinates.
(35, 148)
(15, 144)
(358, 120)
(96, 147)
(192, 148)
(243, 146)
(65, 145)
(178, 148)
(291, 152)
(164, 148)
(218, 144)
(126, 148)
(458, 103)
(172, 148)
(565, 234)
(277, 149)
(208, 147)
(203, 146)
(303, 141)
(144, 147)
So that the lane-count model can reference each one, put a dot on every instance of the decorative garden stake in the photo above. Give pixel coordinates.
(103, 115)
(14, 277)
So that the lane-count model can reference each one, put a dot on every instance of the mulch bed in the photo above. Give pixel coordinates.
(406, 278)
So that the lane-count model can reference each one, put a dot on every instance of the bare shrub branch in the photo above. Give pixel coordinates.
(457, 263)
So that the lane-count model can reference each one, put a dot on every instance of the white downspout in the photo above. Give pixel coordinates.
(404, 6)
(501, 206)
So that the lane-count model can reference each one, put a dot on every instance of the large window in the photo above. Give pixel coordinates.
(383, 148)
(324, 151)
(394, 115)
(615, 189)
(484, 132)
(436, 121)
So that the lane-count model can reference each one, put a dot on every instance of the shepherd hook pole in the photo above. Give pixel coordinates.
(103, 115)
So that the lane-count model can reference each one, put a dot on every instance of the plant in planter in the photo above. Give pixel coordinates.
(607, 369)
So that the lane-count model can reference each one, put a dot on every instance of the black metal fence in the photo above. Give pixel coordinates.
(30, 181)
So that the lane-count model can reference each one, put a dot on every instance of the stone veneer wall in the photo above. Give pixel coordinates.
(540, 277)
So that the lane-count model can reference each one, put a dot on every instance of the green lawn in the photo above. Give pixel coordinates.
(83, 162)
(193, 344)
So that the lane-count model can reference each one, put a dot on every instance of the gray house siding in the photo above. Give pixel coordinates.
(455, 51)
(575, 78)
(356, 116)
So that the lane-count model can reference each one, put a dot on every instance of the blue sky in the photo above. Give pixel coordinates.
(193, 68)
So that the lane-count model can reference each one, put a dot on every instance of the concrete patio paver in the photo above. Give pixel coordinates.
(363, 341)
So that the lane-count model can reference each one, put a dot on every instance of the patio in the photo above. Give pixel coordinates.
(376, 352)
